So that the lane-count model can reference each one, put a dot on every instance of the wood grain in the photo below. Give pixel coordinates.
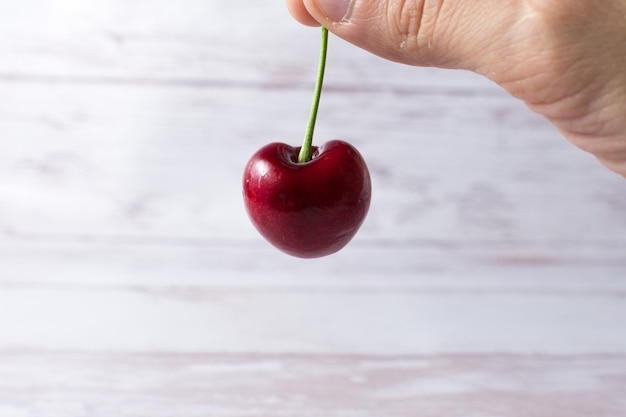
(101, 384)
(489, 279)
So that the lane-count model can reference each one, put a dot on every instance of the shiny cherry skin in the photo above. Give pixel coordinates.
(309, 209)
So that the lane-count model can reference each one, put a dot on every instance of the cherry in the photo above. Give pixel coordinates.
(308, 201)
(307, 209)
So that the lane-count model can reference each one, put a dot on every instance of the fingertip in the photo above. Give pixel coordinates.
(300, 13)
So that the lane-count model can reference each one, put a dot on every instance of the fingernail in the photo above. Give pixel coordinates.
(336, 10)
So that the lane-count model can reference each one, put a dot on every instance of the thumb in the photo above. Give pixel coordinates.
(457, 34)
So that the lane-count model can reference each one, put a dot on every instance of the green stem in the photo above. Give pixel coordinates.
(305, 151)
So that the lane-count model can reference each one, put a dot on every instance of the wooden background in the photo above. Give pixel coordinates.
(489, 279)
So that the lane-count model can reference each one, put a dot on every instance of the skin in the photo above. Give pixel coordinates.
(566, 59)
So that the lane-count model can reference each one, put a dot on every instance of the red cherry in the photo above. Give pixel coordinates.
(309, 209)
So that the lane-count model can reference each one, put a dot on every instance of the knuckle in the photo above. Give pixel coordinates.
(412, 22)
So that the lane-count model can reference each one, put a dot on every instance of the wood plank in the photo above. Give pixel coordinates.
(327, 321)
(191, 266)
(95, 384)
(164, 161)
(190, 42)
(362, 302)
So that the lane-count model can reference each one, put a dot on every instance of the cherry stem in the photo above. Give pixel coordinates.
(305, 151)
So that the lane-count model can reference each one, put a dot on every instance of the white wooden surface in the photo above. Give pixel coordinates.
(488, 281)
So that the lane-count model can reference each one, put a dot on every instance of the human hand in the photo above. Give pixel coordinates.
(566, 59)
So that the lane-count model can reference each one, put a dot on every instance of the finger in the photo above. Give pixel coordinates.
(420, 32)
(300, 13)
